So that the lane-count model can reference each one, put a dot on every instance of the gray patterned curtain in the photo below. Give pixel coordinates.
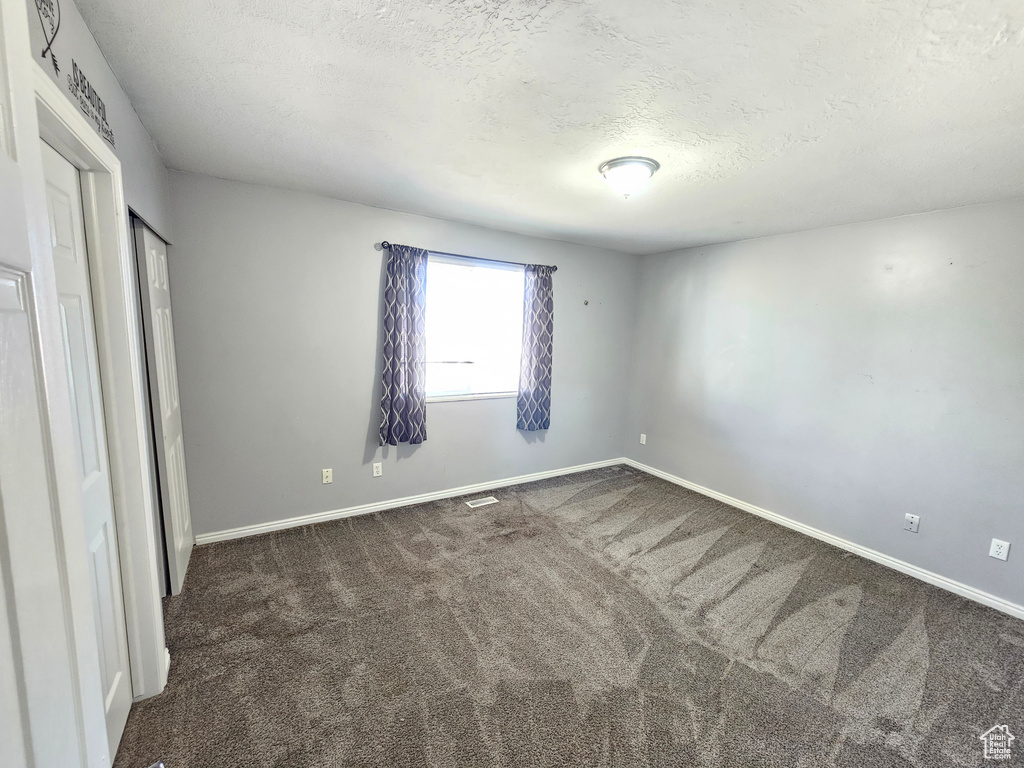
(403, 394)
(534, 401)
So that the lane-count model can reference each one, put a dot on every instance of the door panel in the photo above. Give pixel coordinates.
(102, 559)
(67, 237)
(20, 426)
(178, 490)
(163, 382)
(26, 519)
(86, 423)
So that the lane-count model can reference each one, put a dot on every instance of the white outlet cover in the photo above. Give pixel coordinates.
(1000, 550)
(327, 476)
(643, 439)
(378, 469)
(912, 523)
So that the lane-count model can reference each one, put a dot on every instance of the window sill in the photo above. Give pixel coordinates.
(481, 396)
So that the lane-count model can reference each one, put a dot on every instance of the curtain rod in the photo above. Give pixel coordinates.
(386, 245)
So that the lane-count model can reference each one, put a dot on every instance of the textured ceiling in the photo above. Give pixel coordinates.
(767, 116)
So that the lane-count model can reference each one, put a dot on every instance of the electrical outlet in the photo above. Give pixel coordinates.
(1000, 550)
(328, 476)
(911, 523)
(378, 469)
(643, 439)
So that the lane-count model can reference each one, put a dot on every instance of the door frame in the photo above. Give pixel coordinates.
(118, 338)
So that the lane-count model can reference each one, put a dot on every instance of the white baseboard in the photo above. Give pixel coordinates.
(891, 562)
(934, 579)
(378, 506)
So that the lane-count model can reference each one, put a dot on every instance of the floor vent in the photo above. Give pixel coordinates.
(482, 502)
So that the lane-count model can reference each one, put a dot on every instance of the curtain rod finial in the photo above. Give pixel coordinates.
(383, 245)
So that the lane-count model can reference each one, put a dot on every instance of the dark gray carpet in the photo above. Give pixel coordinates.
(601, 619)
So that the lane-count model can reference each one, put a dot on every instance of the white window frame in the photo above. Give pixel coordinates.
(462, 261)
(478, 396)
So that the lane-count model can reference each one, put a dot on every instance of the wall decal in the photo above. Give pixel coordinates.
(76, 38)
(90, 102)
(49, 17)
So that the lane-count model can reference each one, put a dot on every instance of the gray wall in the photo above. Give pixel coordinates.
(846, 376)
(145, 178)
(276, 307)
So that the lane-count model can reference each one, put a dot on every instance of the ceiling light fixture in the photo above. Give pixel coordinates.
(628, 174)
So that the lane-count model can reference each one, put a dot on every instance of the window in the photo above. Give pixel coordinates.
(474, 327)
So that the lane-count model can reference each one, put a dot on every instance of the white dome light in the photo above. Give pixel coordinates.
(627, 175)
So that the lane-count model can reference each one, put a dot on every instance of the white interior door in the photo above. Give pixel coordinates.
(163, 387)
(23, 457)
(71, 266)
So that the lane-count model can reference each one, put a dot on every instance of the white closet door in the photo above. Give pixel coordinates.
(71, 266)
(163, 387)
(24, 489)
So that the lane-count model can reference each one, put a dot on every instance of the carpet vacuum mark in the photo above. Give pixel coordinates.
(607, 618)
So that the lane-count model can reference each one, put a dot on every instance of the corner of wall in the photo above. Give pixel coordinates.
(629, 408)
